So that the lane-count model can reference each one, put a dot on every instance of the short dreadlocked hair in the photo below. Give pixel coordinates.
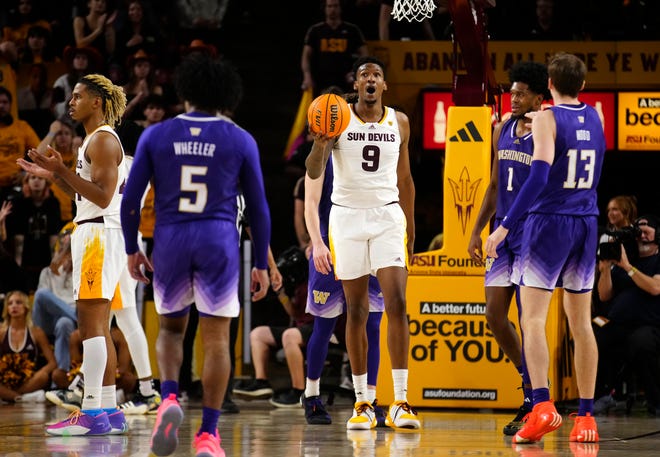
(114, 98)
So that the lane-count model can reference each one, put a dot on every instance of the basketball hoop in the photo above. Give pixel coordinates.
(413, 10)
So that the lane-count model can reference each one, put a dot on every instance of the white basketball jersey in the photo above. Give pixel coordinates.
(85, 209)
(365, 159)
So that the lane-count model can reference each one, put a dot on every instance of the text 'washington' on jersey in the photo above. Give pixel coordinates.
(516, 156)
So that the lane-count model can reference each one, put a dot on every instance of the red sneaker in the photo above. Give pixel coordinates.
(543, 419)
(584, 430)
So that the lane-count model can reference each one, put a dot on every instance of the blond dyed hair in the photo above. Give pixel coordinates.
(114, 98)
(26, 304)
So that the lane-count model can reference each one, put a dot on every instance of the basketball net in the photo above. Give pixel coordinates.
(413, 10)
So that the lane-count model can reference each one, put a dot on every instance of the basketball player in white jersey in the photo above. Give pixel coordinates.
(97, 245)
(371, 230)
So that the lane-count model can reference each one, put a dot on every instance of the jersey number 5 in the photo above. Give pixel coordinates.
(196, 204)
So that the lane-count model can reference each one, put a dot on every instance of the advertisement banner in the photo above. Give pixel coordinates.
(639, 121)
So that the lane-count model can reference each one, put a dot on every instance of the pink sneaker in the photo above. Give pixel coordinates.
(164, 438)
(207, 445)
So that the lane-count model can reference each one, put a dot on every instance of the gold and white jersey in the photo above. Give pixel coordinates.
(85, 209)
(365, 159)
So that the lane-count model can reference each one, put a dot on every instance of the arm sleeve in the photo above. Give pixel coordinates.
(131, 202)
(252, 182)
(534, 184)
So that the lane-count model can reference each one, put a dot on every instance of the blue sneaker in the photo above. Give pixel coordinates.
(78, 423)
(315, 412)
(118, 422)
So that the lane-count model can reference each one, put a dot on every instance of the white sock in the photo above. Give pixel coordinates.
(146, 388)
(95, 357)
(312, 388)
(400, 381)
(371, 394)
(360, 386)
(109, 397)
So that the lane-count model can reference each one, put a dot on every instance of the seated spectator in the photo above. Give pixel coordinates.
(293, 296)
(141, 84)
(35, 223)
(629, 335)
(621, 212)
(35, 100)
(16, 137)
(80, 61)
(54, 308)
(25, 353)
(38, 48)
(154, 110)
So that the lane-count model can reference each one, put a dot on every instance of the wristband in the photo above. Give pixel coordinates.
(632, 272)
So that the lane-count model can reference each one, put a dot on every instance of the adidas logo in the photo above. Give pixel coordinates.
(463, 135)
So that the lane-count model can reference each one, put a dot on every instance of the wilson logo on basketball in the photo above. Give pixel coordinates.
(328, 114)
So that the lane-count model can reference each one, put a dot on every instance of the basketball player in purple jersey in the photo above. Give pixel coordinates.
(513, 149)
(559, 242)
(326, 302)
(196, 162)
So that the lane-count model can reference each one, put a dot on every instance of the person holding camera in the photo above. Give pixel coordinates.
(630, 333)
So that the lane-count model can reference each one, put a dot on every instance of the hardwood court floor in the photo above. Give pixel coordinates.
(261, 430)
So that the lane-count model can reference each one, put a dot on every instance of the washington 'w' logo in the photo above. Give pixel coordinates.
(465, 192)
(320, 297)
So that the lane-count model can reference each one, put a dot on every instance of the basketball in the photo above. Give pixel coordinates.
(328, 114)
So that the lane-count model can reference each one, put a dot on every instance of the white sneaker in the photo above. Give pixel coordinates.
(364, 417)
(401, 415)
(38, 396)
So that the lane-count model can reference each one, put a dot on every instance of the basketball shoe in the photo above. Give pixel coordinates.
(364, 417)
(315, 411)
(543, 419)
(584, 429)
(141, 404)
(207, 445)
(79, 423)
(117, 422)
(164, 438)
(517, 423)
(402, 415)
(66, 398)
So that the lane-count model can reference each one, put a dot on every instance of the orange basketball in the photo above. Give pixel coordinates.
(328, 114)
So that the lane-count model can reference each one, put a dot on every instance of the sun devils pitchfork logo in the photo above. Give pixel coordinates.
(465, 192)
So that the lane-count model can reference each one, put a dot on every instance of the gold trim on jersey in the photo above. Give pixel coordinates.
(359, 119)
